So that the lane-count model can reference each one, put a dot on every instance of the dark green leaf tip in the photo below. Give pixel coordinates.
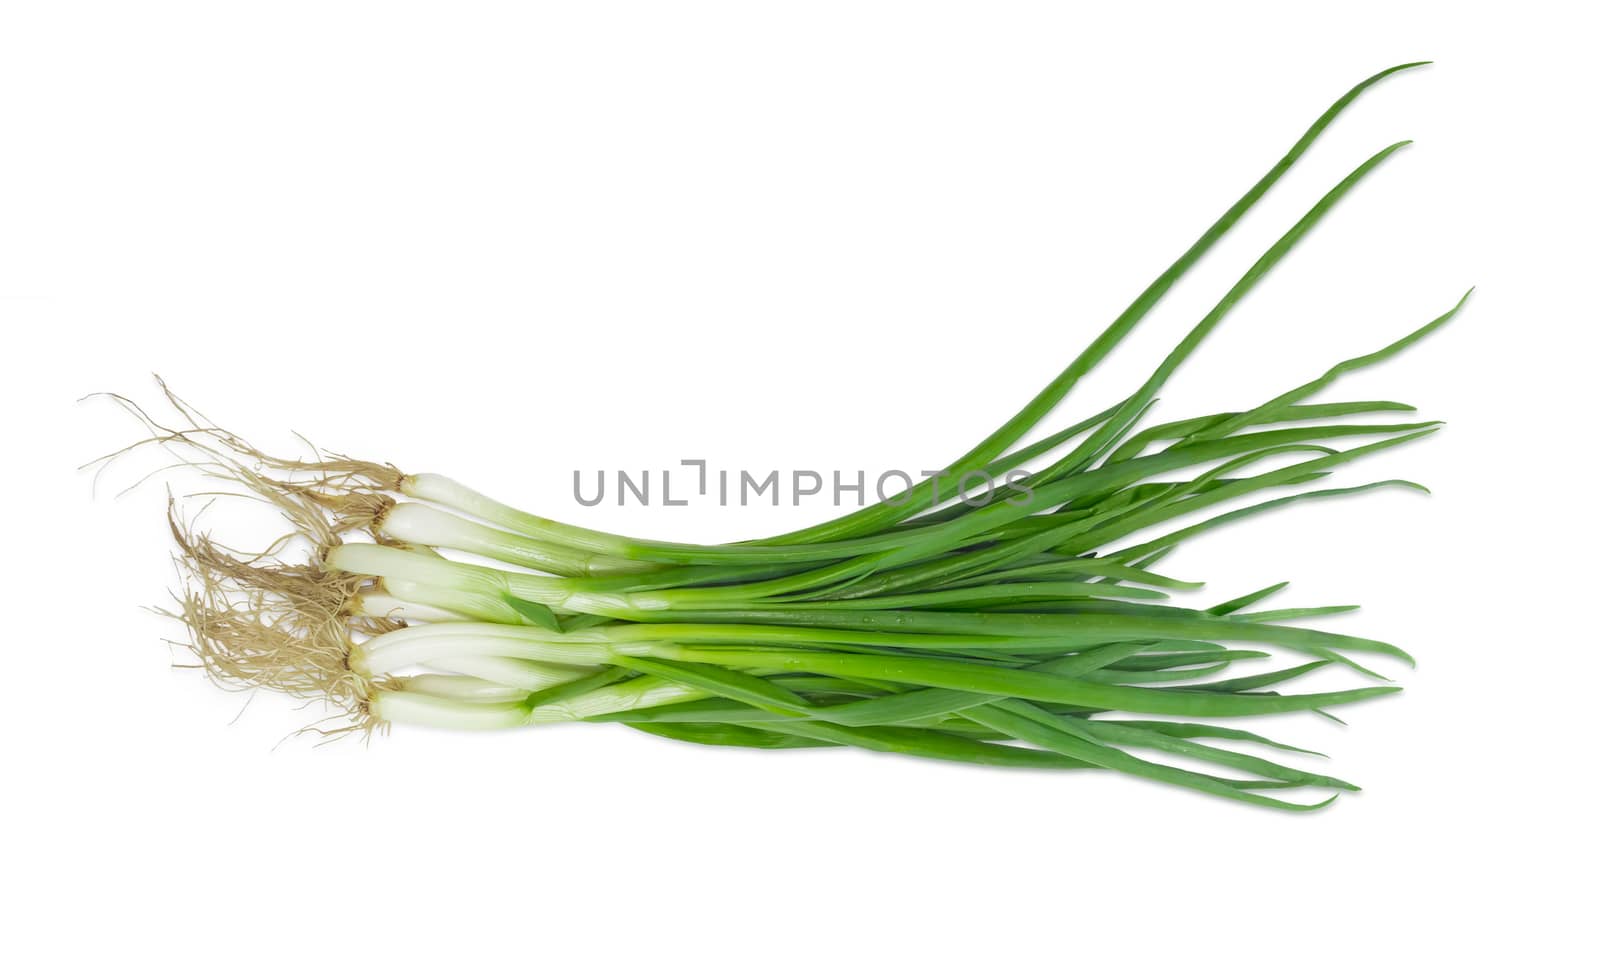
(533, 612)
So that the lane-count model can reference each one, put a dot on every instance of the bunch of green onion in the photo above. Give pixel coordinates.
(1029, 634)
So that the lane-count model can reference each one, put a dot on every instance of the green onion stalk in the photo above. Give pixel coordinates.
(1029, 630)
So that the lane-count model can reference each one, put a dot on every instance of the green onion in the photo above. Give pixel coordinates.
(1026, 633)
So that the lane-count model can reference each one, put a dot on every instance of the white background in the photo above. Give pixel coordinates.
(510, 241)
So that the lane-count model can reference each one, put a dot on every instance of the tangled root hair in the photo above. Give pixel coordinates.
(276, 618)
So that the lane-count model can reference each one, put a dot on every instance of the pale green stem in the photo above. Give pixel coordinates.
(459, 688)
